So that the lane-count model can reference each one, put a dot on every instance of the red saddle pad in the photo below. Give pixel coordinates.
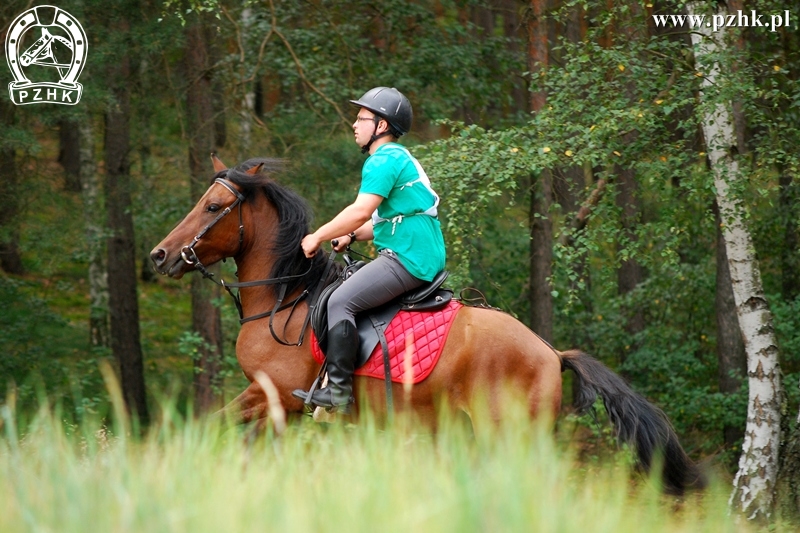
(421, 333)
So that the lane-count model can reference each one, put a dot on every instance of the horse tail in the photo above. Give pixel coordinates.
(637, 422)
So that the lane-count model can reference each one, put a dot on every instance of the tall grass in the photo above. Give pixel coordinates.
(194, 475)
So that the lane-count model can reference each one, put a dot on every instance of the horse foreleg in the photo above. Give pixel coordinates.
(250, 405)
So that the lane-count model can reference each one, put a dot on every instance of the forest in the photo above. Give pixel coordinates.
(621, 180)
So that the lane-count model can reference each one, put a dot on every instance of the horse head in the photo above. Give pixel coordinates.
(213, 229)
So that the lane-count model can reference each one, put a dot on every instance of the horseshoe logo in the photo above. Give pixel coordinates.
(56, 36)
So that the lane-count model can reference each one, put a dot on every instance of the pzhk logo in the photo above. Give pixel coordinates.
(55, 58)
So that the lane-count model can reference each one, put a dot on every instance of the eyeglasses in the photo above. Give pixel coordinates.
(361, 119)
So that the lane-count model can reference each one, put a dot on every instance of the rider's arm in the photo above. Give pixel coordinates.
(365, 232)
(354, 217)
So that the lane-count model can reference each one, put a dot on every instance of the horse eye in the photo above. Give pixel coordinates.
(213, 208)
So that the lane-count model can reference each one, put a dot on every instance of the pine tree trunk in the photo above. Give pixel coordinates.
(541, 229)
(206, 319)
(514, 33)
(10, 258)
(630, 273)
(541, 246)
(69, 154)
(122, 296)
(754, 484)
(99, 334)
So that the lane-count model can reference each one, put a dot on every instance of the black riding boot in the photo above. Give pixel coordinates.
(341, 357)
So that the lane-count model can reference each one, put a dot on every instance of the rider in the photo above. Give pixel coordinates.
(397, 208)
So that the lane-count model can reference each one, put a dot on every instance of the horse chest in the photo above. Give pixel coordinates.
(255, 350)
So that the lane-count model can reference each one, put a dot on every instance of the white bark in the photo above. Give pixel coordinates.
(98, 276)
(246, 122)
(754, 483)
(249, 100)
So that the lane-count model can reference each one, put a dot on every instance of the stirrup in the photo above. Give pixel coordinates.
(308, 401)
(300, 394)
(327, 403)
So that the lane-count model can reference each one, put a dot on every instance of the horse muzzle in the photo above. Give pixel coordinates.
(167, 266)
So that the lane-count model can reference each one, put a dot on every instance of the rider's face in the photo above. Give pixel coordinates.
(364, 126)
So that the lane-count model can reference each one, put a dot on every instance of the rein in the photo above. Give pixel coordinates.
(189, 256)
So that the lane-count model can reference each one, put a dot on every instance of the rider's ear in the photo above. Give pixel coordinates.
(254, 170)
(218, 165)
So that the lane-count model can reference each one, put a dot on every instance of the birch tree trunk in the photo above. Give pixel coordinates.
(98, 277)
(248, 100)
(754, 484)
(731, 355)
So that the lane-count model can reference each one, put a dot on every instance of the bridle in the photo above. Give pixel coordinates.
(187, 252)
(189, 256)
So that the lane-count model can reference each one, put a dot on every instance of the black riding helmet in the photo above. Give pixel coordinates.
(390, 105)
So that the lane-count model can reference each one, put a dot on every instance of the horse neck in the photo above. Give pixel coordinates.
(256, 260)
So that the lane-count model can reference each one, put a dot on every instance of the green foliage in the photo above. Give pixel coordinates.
(787, 328)
(501, 250)
(192, 345)
(321, 55)
(786, 315)
(39, 355)
(17, 328)
(471, 169)
(630, 104)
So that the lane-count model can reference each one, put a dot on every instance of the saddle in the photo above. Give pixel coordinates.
(371, 323)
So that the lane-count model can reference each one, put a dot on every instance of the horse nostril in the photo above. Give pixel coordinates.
(157, 256)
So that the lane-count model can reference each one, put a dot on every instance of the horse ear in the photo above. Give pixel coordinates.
(218, 165)
(254, 170)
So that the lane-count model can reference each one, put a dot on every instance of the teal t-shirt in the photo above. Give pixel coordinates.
(405, 221)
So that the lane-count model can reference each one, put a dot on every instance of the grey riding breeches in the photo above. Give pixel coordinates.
(374, 284)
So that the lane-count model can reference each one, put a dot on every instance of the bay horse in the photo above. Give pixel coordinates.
(487, 351)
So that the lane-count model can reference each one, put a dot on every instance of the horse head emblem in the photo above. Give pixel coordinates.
(56, 56)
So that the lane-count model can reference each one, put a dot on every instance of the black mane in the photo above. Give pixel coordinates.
(294, 217)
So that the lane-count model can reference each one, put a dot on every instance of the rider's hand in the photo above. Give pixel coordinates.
(310, 245)
(341, 243)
